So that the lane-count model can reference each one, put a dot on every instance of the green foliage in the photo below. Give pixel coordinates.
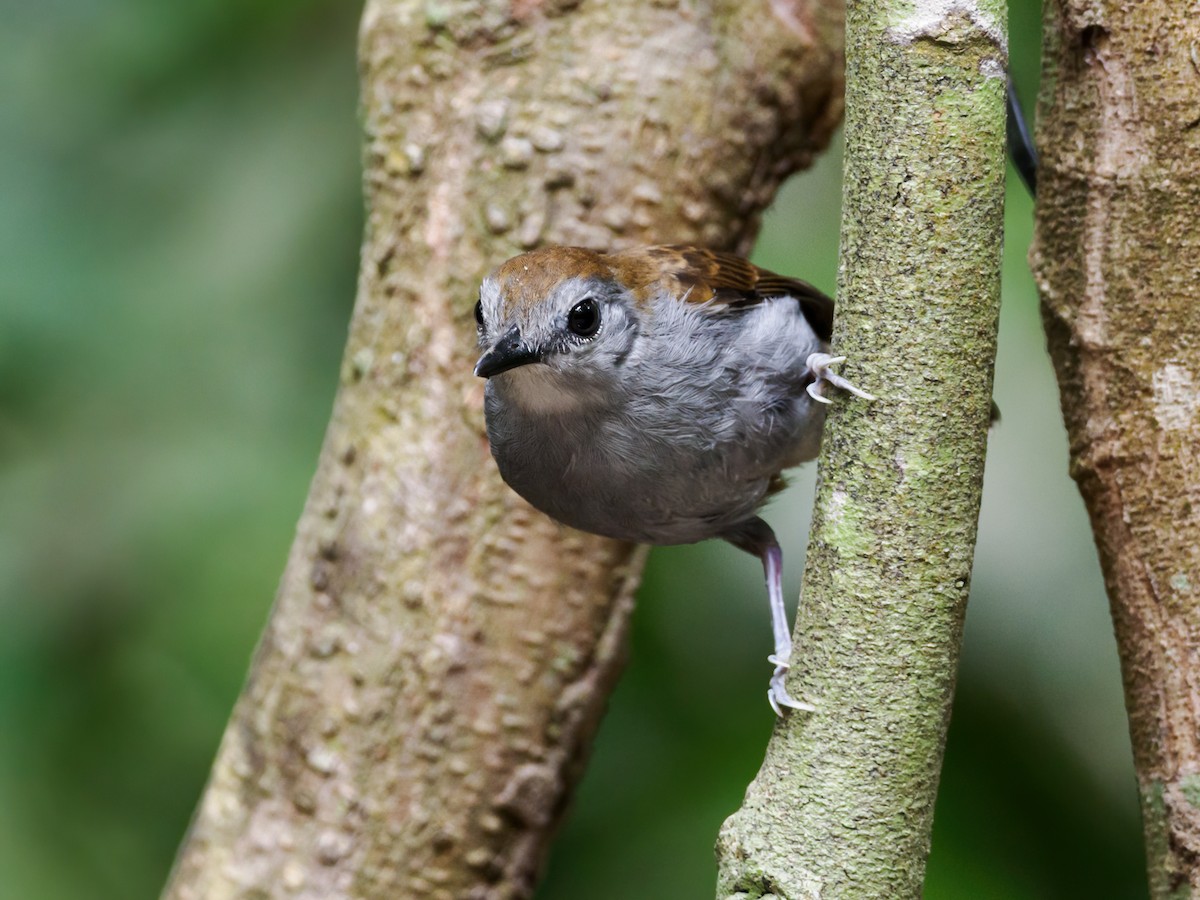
(178, 246)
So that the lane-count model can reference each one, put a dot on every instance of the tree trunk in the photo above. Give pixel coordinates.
(439, 654)
(1117, 257)
(843, 804)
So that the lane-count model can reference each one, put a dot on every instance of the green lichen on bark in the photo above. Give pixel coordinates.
(843, 804)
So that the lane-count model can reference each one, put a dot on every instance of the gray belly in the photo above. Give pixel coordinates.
(638, 481)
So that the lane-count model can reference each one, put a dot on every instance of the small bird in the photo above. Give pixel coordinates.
(655, 395)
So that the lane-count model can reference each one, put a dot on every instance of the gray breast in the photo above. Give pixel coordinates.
(681, 448)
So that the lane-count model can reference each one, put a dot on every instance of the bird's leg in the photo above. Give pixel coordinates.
(755, 536)
(818, 366)
(777, 695)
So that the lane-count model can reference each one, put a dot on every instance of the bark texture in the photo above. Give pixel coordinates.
(843, 804)
(1117, 257)
(439, 654)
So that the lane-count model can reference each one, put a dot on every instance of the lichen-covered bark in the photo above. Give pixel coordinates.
(843, 804)
(1117, 257)
(439, 654)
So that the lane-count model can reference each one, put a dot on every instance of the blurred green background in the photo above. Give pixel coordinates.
(179, 225)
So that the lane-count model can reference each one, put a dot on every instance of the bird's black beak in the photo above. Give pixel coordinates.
(507, 353)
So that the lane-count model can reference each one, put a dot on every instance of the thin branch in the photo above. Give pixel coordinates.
(843, 804)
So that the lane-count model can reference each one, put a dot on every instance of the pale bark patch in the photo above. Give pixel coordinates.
(1176, 399)
(938, 19)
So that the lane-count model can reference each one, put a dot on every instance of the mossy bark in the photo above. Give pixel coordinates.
(439, 654)
(843, 803)
(1117, 256)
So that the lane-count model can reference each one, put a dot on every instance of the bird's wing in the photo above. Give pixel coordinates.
(727, 282)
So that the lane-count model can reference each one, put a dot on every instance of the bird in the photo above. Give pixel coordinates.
(656, 395)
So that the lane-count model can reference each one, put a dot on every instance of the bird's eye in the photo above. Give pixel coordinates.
(479, 313)
(584, 318)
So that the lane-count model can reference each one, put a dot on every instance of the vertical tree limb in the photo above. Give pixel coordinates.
(843, 804)
(1117, 256)
(439, 655)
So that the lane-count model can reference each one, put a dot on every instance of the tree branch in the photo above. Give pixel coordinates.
(1118, 240)
(843, 804)
(439, 654)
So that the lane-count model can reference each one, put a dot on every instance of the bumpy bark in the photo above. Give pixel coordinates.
(439, 654)
(843, 804)
(1118, 263)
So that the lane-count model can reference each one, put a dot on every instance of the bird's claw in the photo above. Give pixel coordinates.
(777, 694)
(819, 366)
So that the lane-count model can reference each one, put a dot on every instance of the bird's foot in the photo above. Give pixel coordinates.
(777, 694)
(819, 365)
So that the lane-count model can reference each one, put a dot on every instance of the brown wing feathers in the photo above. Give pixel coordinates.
(708, 275)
